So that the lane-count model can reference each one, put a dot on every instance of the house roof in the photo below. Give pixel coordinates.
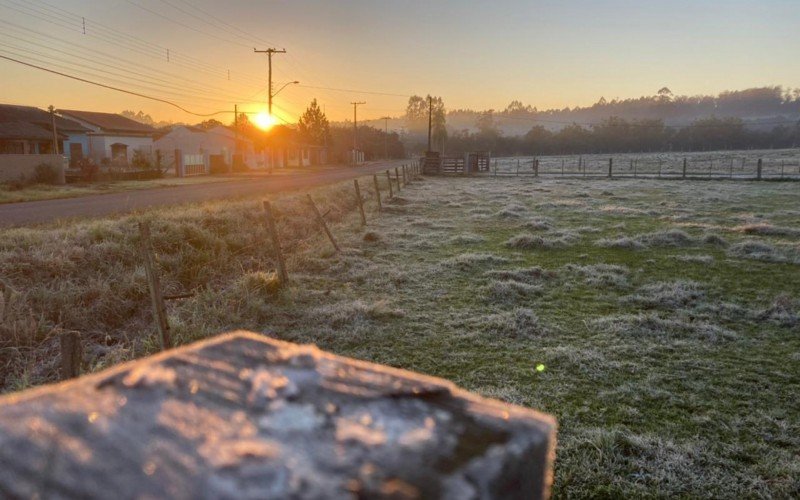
(108, 122)
(26, 131)
(165, 131)
(36, 116)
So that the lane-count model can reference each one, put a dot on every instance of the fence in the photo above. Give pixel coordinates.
(784, 167)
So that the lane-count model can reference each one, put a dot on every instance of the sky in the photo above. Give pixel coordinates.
(474, 54)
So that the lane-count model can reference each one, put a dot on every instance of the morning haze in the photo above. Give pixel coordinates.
(399, 249)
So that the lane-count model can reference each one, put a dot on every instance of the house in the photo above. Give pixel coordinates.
(218, 145)
(112, 138)
(29, 130)
(285, 150)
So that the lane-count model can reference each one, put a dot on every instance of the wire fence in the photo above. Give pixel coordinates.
(764, 165)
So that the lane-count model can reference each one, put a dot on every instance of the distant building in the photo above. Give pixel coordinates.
(29, 130)
(112, 137)
(218, 144)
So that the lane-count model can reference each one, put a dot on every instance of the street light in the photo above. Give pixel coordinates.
(284, 86)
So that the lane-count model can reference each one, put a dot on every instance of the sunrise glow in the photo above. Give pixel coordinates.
(264, 120)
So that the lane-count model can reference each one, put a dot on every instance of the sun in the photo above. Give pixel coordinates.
(264, 120)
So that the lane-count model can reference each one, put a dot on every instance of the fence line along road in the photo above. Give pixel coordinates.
(102, 205)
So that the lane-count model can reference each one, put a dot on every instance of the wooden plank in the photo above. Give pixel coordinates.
(153, 282)
(322, 223)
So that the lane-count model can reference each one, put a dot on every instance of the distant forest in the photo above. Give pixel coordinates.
(767, 117)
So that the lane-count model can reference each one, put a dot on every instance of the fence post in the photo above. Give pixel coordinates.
(377, 192)
(389, 180)
(635, 167)
(610, 166)
(276, 243)
(156, 297)
(562, 167)
(536, 167)
(406, 177)
(684, 168)
(71, 355)
(322, 223)
(397, 178)
(758, 169)
(360, 203)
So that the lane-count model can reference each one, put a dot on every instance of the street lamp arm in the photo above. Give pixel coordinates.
(284, 86)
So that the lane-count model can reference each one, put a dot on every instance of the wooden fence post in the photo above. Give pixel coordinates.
(377, 192)
(406, 177)
(360, 203)
(758, 169)
(397, 177)
(635, 167)
(156, 297)
(389, 180)
(610, 166)
(684, 168)
(322, 223)
(283, 274)
(536, 167)
(71, 355)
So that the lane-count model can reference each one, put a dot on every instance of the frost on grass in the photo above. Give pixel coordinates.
(513, 211)
(528, 241)
(667, 238)
(470, 261)
(521, 323)
(539, 224)
(602, 275)
(346, 313)
(715, 240)
(694, 259)
(766, 229)
(466, 239)
(510, 291)
(784, 311)
(651, 326)
(758, 250)
(530, 275)
(667, 295)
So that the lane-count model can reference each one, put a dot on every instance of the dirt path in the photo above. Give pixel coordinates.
(100, 205)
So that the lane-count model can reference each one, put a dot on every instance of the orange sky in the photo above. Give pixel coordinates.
(475, 55)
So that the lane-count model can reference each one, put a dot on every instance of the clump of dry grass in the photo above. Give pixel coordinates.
(602, 275)
(766, 229)
(715, 240)
(651, 326)
(466, 239)
(758, 250)
(511, 291)
(667, 295)
(667, 238)
(344, 313)
(784, 311)
(539, 224)
(528, 241)
(530, 275)
(469, 261)
(519, 323)
(695, 259)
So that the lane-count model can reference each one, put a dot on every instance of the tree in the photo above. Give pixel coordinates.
(209, 124)
(313, 125)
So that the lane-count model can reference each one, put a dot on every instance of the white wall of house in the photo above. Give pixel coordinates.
(100, 145)
(216, 141)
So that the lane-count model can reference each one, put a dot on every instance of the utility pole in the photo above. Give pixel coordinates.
(355, 124)
(430, 120)
(386, 137)
(269, 53)
(55, 132)
(235, 135)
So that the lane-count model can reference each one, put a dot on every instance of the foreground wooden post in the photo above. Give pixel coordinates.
(71, 355)
(389, 180)
(610, 166)
(322, 223)
(397, 177)
(156, 296)
(223, 418)
(283, 274)
(684, 168)
(360, 202)
(377, 192)
(758, 170)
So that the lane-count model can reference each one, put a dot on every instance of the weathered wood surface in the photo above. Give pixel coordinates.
(243, 416)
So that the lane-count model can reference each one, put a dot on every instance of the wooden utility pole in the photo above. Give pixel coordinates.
(269, 53)
(386, 137)
(355, 127)
(430, 120)
(55, 132)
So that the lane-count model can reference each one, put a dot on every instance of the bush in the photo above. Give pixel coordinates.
(46, 173)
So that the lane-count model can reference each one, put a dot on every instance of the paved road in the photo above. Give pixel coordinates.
(38, 212)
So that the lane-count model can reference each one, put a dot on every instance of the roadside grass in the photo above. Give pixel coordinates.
(671, 364)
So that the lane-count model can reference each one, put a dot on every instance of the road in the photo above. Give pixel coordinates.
(101, 205)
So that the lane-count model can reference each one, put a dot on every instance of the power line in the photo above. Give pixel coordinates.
(352, 91)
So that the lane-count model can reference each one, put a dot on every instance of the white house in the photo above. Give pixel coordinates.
(218, 145)
(112, 136)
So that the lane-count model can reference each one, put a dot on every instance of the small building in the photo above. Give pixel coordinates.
(29, 130)
(218, 144)
(113, 138)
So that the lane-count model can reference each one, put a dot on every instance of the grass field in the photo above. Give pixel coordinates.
(657, 320)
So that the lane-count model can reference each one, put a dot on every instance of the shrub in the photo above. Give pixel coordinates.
(46, 173)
